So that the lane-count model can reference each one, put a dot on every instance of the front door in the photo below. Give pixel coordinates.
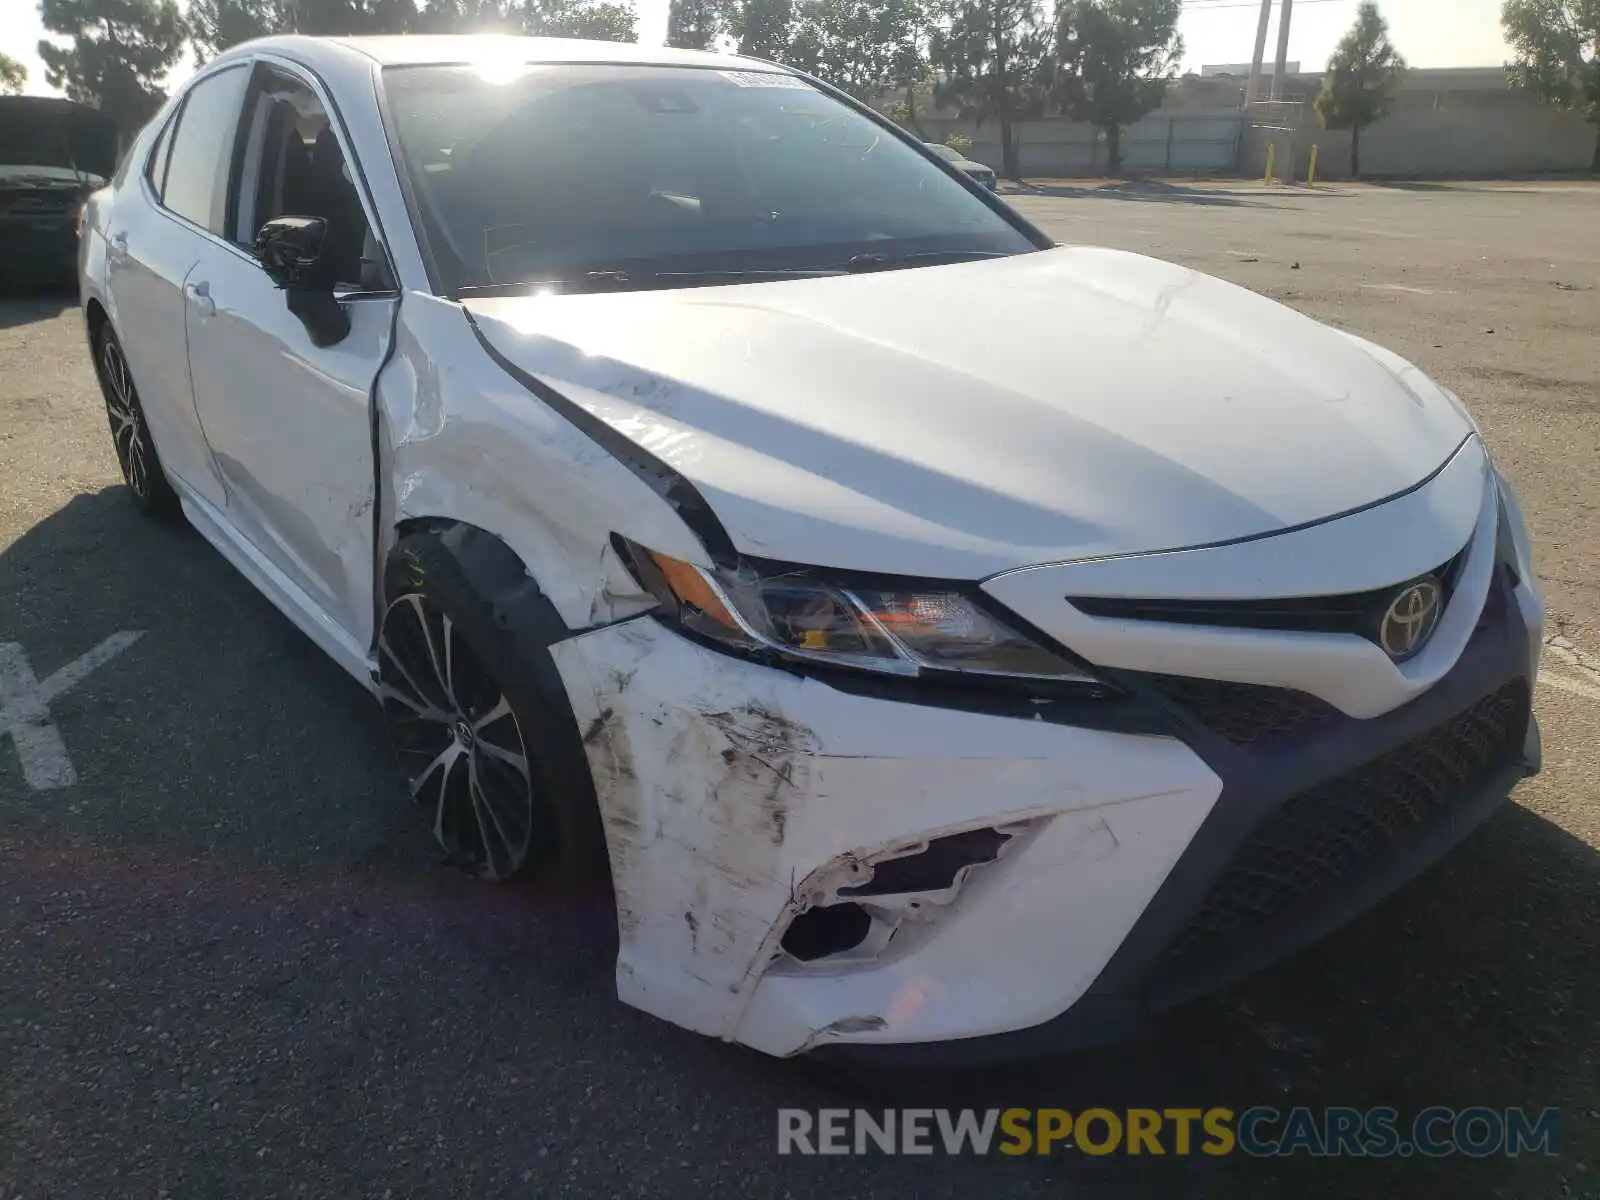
(289, 423)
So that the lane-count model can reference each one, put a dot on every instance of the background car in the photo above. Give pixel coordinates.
(53, 153)
(984, 175)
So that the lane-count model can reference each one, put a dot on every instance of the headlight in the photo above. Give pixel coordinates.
(800, 616)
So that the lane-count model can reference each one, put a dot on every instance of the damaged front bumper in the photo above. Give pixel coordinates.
(800, 867)
(758, 819)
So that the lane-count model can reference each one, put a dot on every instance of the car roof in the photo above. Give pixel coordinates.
(446, 49)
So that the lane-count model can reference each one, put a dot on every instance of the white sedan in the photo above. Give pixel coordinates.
(946, 642)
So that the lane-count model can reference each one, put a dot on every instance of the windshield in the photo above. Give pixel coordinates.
(629, 176)
(945, 152)
(30, 137)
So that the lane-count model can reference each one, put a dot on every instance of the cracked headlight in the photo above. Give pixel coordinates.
(801, 616)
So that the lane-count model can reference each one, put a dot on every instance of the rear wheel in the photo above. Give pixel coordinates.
(130, 433)
(477, 719)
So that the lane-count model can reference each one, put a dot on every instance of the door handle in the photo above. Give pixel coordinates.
(200, 294)
(118, 243)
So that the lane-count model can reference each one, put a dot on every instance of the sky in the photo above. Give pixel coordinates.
(1430, 33)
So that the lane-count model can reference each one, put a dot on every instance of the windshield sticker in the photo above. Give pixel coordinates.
(771, 79)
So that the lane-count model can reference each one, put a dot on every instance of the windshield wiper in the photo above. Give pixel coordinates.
(880, 261)
(618, 280)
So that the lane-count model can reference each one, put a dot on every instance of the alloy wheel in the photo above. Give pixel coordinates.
(127, 419)
(457, 738)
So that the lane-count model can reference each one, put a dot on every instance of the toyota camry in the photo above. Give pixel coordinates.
(944, 641)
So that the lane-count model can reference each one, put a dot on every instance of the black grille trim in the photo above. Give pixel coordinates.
(1326, 839)
(1352, 612)
(1246, 713)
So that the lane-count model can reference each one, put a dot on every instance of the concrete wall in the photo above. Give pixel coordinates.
(1163, 143)
(1463, 133)
(1442, 126)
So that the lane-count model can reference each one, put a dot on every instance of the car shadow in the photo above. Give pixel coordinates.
(1138, 191)
(26, 301)
(1493, 187)
(221, 728)
(222, 743)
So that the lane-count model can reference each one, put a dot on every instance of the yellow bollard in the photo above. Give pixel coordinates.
(1272, 156)
(1311, 172)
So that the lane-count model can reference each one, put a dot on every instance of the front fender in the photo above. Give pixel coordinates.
(459, 439)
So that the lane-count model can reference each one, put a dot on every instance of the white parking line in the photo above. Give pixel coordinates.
(1578, 672)
(1410, 291)
(1586, 690)
(25, 708)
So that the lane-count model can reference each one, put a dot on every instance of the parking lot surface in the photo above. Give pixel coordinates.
(232, 966)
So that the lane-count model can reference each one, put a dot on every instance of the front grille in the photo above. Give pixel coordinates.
(1328, 836)
(1245, 713)
(50, 203)
(1351, 612)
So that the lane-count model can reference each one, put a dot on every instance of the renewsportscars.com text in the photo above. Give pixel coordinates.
(1261, 1131)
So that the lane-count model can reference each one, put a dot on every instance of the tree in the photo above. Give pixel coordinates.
(120, 52)
(602, 20)
(864, 47)
(214, 25)
(465, 16)
(1363, 76)
(697, 24)
(1557, 49)
(13, 76)
(1114, 59)
(353, 17)
(992, 57)
(764, 28)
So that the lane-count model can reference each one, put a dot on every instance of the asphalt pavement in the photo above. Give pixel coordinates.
(232, 965)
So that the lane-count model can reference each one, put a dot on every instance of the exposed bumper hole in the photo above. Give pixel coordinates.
(933, 869)
(820, 932)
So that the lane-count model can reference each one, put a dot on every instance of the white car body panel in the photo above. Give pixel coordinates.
(291, 599)
(471, 444)
(285, 420)
(146, 263)
(1075, 422)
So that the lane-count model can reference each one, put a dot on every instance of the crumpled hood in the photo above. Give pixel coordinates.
(955, 421)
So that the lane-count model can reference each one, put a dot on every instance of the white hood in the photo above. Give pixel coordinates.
(960, 420)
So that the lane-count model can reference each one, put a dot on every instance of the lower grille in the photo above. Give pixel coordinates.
(1326, 837)
(1245, 713)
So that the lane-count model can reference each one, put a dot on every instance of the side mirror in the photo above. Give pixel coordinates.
(292, 252)
(290, 248)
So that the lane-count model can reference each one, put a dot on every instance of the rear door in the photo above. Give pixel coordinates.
(289, 422)
(155, 233)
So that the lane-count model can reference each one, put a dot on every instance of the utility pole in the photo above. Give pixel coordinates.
(1283, 48)
(1253, 90)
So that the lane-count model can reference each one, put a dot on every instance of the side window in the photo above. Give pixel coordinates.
(294, 166)
(196, 184)
(155, 169)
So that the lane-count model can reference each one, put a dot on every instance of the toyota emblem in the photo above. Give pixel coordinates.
(1410, 619)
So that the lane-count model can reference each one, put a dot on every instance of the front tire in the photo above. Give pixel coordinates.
(478, 721)
(130, 432)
